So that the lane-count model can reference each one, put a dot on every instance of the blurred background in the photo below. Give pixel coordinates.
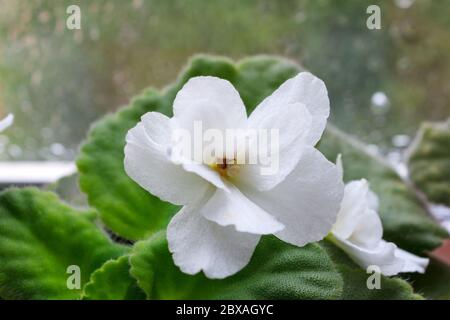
(382, 83)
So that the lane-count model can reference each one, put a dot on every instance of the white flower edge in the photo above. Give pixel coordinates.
(358, 232)
(220, 223)
(6, 122)
(387, 256)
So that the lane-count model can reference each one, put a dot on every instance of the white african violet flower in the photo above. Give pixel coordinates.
(6, 122)
(226, 210)
(358, 231)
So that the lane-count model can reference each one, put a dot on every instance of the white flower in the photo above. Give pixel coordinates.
(226, 208)
(358, 231)
(6, 122)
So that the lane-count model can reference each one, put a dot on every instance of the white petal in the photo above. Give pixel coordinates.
(199, 244)
(266, 177)
(293, 123)
(340, 166)
(157, 127)
(211, 100)
(383, 256)
(307, 201)
(368, 231)
(233, 208)
(412, 262)
(308, 90)
(292, 120)
(206, 173)
(147, 163)
(6, 122)
(353, 206)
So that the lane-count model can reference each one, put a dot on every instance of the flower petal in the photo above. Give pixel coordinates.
(206, 173)
(199, 244)
(382, 256)
(307, 201)
(6, 122)
(293, 123)
(157, 127)
(413, 263)
(292, 120)
(368, 231)
(233, 208)
(147, 163)
(307, 89)
(353, 206)
(213, 101)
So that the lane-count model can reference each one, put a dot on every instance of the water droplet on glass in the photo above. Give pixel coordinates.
(94, 33)
(372, 149)
(380, 103)
(137, 4)
(36, 78)
(404, 4)
(57, 149)
(300, 17)
(15, 151)
(401, 140)
(44, 16)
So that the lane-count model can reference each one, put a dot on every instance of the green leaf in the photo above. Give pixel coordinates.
(113, 282)
(405, 220)
(355, 280)
(277, 271)
(435, 283)
(429, 161)
(40, 237)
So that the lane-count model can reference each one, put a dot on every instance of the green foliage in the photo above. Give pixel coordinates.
(435, 283)
(277, 271)
(429, 161)
(113, 282)
(40, 237)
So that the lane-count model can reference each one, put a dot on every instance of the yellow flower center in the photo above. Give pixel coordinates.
(227, 168)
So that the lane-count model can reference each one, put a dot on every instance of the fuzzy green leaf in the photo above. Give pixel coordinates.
(113, 282)
(40, 237)
(435, 283)
(429, 161)
(277, 271)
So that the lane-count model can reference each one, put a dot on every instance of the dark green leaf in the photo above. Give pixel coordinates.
(429, 161)
(40, 237)
(435, 283)
(113, 282)
(277, 271)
